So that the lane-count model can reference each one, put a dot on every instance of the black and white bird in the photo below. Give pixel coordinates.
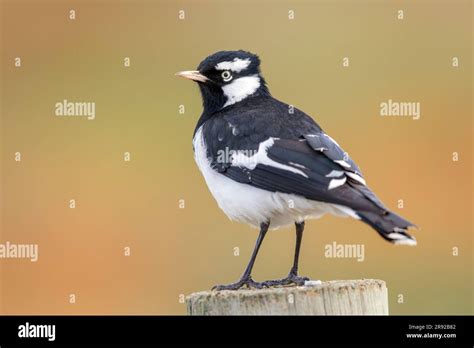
(270, 165)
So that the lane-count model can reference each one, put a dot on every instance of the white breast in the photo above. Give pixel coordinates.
(245, 203)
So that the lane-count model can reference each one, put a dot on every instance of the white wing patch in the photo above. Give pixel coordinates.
(336, 183)
(356, 177)
(240, 159)
(237, 65)
(334, 174)
(343, 163)
(297, 165)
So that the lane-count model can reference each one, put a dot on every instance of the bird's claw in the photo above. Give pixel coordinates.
(291, 279)
(248, 282)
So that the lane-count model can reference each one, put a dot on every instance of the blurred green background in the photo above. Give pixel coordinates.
(136, 204)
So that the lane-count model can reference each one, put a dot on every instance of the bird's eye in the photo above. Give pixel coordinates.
(226, 75)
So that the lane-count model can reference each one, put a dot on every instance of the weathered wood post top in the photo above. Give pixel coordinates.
(338, 297)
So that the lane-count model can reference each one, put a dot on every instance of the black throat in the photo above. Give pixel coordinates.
(213, 99)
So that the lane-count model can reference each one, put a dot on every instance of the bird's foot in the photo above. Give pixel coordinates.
(291, 279)
(246, 281)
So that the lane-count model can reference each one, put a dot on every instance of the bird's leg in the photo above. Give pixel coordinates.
(246, 279)
(292, 277)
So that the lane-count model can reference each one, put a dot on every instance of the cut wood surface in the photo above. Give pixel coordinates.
(337, 297)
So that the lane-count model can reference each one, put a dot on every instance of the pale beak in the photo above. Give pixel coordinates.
(194, 75)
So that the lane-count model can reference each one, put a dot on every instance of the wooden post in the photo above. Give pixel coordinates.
(338, 297)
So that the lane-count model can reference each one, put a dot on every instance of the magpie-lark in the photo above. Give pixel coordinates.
(270, 165)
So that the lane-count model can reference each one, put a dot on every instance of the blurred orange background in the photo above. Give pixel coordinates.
(136, 204)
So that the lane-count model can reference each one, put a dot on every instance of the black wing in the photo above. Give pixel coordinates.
(289, 153)
(301, 158)
(296, 168)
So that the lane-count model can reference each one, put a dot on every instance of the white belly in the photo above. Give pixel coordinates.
(245, 203)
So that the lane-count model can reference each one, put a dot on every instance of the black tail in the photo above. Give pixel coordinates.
(390, 226)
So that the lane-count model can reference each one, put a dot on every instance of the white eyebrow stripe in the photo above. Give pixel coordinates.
(237, 65)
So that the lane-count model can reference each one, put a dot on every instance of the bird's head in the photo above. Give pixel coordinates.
(226, 78)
